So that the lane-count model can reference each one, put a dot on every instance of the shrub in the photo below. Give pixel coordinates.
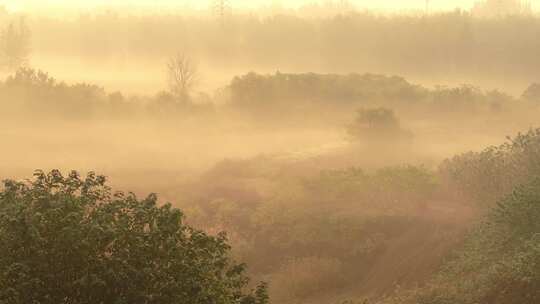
(377, 125)
(532, 93)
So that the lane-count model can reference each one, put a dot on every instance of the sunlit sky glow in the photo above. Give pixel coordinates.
(386, 5)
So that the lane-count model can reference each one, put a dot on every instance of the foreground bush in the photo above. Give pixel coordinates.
(70, 240)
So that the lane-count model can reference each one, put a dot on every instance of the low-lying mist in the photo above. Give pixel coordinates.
(335, 180)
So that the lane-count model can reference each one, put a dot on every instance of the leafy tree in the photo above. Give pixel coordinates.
(71, 240)
(14, 45)
(30, 78)
(532, 93)
(487, 176)
(463, 99)
(258, 89)
(377, 124)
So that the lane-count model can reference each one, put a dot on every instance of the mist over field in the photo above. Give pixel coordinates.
(296, 152)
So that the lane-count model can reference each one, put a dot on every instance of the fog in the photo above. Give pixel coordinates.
(351, 151)
(256, 4)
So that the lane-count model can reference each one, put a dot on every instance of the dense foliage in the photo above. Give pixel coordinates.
(306, 93)
(258, 90)
(318, 233)
(278, 97)
(532, 93)
(34, 93)
(500, 261)
(489, 175)
(70, 240)
(14, 45)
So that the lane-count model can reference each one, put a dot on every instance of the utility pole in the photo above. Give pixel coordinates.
(427, 7)
(220, 8)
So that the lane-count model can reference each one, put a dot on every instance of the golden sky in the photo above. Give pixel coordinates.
(60, 7)
(370, 4)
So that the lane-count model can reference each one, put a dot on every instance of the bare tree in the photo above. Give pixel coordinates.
(182, 74)
(15, 45)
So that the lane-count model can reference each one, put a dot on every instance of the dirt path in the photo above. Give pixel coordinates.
(411, 259)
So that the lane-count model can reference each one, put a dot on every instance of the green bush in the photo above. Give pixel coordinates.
(70, 240)
(377, 126)
(265, 90)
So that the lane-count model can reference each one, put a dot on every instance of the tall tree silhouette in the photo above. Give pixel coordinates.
(15, 45)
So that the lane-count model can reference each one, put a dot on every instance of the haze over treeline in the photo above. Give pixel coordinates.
(442, 47)
(389, 5)
(320, 153)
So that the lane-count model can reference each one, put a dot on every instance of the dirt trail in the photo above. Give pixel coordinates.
(412, 258)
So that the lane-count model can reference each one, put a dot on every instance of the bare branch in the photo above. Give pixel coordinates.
(183, 75)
